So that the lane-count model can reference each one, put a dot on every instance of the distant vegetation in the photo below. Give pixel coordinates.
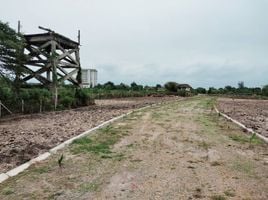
(241, 90)
(32, 99)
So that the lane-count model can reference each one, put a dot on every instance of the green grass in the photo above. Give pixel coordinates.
(208, 124)
(41, 170)
(206, 103)
(8, 191)
(96, 147)
(239, 138)
(245, 139)
(89, 187)
(243, 166)
(99, 143)
(82, 141)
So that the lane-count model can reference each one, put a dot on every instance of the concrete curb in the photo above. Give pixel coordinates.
(15, 171)
(265, 139)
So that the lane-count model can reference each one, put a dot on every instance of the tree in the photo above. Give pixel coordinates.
(241, 85)
(135, 86)
(122, 86)
(171, 86)
(256, 90)
(229, 89)
(201, 90)
(158, 86)
(265, 90)
(212, 90)
(109, 85)
(12, 56)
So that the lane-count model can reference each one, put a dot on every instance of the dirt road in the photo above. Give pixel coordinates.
(180, 150)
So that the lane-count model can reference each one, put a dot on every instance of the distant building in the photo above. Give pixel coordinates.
(185, 87)
(89, 77)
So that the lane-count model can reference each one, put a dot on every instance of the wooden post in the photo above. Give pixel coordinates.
(54, 74)
(79, 37)
(48, 75)
(40, 106)
(22, 106)
(19, 26)
(0, 108)
(78, 60)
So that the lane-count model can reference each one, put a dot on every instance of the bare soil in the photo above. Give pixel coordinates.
(24, 137)
(252, 113)
(180, 150)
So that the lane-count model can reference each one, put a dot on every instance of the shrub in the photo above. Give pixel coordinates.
(182, 93)
(200, 90)
(67, 101)
(83, 98)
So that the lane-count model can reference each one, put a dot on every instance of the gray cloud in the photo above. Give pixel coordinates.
(204, 43)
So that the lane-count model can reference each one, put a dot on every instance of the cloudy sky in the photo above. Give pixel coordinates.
(200, 42)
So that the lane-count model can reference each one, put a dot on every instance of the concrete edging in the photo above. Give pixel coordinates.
(265, 139)
(15, 171)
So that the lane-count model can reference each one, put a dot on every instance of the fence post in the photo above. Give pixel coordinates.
(22, 106)
(40, 106)
(0, 108)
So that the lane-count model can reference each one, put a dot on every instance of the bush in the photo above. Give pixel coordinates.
(83, 98)
(200, 90)
(66, 97)
(67, 101)
(182, 93)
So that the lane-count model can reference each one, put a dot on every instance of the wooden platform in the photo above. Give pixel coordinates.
(52, 59)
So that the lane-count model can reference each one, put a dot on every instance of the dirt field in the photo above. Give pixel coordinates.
(181, 150)
(252, 113)
(23, 137)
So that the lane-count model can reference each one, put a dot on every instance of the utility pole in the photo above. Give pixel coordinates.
(19, 26)
(78, 37)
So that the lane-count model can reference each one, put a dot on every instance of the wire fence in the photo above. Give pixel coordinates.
(24, 107)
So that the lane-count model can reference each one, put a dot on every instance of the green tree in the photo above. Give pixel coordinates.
(212, 90)
(122, 86)
(229, 89)
(241, 85)
(12, 56)
(135, 86)
(201, 90)
(171, 86)
(265, 90)
(109, 85)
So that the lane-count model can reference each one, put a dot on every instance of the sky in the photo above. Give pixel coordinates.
(200, 42)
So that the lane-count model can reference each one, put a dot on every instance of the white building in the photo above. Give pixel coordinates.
(89, 77)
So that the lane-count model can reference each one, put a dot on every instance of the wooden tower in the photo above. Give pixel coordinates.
(52, 59)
